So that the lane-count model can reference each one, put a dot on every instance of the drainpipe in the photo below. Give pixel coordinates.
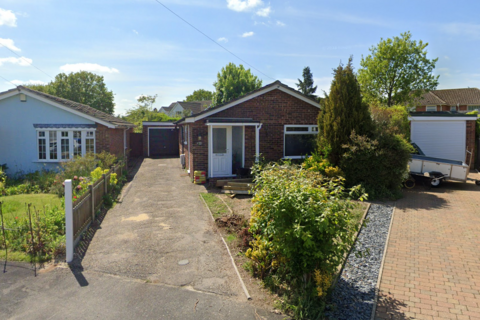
(125, 142)
(257, 142)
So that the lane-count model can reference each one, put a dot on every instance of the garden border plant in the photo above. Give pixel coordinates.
(302, 228)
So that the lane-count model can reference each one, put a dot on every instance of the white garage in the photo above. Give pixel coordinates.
(442, 135)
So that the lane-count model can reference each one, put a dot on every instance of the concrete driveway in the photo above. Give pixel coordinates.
(131, 267)
(432, 264)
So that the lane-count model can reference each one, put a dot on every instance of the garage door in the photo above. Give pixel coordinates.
(162, 142)
(440, 139)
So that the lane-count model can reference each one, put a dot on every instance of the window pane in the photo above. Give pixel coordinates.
(42, 149)
(41, 133)
(471, 108)
(299, 144)
(90, 134)
(65, 148)
(64, 133)
(77, 143)
(53, 145)
(89, 146)
(219, 140)
(301, 129)
(315, 129)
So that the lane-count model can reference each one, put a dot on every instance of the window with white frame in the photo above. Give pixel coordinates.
(453, 108)
(299, 140)
(473, 108)
(431, 108)
(62, 145)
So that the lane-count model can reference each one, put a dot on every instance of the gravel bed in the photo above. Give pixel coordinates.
(354, 293)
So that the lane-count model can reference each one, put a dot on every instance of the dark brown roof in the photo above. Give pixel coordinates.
(450, 97)
(275, 83)
(100, 115)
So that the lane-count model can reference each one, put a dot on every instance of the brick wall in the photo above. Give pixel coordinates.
(111, 140)
(273, 109)
(461, 108)
(471, 141)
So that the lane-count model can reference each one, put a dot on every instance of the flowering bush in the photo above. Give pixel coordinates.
(303, 226)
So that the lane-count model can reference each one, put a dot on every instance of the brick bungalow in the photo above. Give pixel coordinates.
(456, 100)
(273, 122)
(38, 130)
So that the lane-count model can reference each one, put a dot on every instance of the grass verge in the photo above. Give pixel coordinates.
(216, 205)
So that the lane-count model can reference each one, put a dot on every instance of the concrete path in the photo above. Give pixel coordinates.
(131, 267)
(432, 265)
(160, 222)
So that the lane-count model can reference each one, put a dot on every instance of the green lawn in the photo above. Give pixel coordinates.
(14, 206)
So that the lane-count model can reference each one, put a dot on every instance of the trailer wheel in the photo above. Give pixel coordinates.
(410, 183)
(477, 182)
(436, 183)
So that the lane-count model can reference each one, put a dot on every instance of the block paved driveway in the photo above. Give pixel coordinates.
(432, 265)
(130, 269)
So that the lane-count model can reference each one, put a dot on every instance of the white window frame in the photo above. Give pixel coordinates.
(312, 129)
(59, 142)
(426, 109)
(453, 108)
(473, 108)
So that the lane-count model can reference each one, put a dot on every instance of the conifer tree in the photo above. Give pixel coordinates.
(306, 86)
(342, 112)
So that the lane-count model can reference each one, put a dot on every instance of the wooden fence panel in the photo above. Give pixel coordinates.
(82, 216)
(83, 206)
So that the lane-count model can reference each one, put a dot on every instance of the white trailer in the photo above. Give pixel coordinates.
(435, 170)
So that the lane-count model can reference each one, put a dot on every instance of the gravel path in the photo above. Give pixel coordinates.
(353, 296)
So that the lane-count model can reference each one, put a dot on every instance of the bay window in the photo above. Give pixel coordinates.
(64, 144)
(299, 140)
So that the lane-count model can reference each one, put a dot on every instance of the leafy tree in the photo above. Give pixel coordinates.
(233, 82)
(306, 86)
(82, 87)
(343, 111)
(199, 95)
(144, 112)
(397, 71)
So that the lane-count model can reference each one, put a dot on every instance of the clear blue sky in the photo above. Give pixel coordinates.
(142, 48)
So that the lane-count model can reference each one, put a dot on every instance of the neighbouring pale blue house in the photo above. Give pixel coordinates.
(38, 130)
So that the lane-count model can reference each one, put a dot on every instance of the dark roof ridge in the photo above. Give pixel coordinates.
(83, 108)
(437, 96)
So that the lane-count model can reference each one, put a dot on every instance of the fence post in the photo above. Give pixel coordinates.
(92, 196)
(69, 220)
(104, 177)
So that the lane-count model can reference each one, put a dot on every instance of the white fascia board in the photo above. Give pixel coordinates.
(58, 105)
(234, 103)
(225, 124)
(249, 97)
(299, 96)
(157, 123)
(441, 118)
(9, 94)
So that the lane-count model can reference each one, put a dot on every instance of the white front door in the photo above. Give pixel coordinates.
(221, 151)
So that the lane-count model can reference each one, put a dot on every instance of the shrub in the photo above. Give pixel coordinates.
(343, 111)
(106, 160)
(302, 225)
(380, 165)
(393, 120)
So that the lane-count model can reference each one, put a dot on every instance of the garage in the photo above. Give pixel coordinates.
(161, 139)
(444, 135)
